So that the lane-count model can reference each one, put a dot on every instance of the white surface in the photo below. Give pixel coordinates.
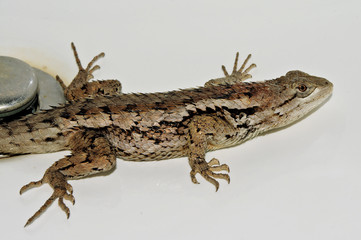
(303, 182)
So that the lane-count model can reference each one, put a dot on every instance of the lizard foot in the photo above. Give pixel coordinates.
(207, 170)
(90, 68)
(62, 190)
(75, 88)
(236, 76)
(241, 74)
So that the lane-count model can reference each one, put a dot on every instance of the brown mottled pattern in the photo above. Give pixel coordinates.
(99, 124)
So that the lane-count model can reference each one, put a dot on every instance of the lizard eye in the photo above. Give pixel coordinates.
(302, 88)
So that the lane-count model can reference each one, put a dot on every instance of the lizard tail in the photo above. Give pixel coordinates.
(31, 134)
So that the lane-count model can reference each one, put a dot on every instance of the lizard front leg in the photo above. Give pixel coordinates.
(203, 131)
(91, 154)
(239, 75)
(80, 87)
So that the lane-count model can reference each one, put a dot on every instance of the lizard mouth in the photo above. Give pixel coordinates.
(323, 92)
(326, 87)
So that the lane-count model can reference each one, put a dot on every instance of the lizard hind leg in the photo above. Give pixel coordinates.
(80, 87)
(62, 190)
(84, 75)
(91, 154)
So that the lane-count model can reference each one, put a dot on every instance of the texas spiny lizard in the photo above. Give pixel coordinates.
(99, 124)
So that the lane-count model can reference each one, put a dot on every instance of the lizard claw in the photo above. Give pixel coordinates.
(241, 73)
(78, 88)
(90, 68)
(236, 76)
(62, 190)
(207, 171)
(88, 71)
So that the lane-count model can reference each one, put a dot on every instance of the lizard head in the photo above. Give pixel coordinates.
(299, 93)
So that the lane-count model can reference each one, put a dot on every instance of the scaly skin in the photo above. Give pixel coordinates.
(100, 124)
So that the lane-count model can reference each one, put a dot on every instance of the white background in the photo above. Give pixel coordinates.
(303, 182)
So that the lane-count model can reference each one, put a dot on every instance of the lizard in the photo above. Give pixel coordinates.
(99, 123)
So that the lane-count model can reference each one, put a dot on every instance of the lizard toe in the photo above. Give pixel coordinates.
(62, 190)
(207, 171)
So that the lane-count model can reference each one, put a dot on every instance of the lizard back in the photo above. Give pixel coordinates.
(151, 126)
